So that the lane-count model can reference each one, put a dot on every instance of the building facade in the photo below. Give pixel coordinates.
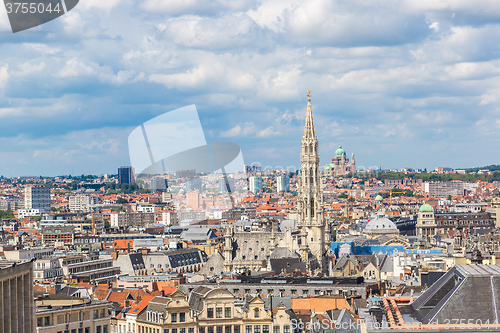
(125, 175)
(37, 197)
(16, 294)
(341, 165)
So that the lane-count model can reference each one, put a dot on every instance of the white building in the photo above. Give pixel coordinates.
(81, 202)
(255, 184)
(37, 197)
(283, 184)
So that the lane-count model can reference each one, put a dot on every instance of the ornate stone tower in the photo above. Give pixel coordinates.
(312, 242)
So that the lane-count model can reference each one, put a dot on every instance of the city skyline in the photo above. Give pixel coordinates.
(400, 84)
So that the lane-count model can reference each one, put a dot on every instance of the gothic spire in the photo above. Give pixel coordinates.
(309, 131)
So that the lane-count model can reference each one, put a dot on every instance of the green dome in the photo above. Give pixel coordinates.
(340, 151)
(379, 198)
(426, 208)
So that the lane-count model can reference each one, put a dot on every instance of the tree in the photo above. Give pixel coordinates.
(342, 196)
(351, 199)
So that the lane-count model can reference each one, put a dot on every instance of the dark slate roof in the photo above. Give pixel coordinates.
(342, 263)
(136, 261)
(196, 298)
(187, 257)
(275, 300)
(465, 291)
(287, 265)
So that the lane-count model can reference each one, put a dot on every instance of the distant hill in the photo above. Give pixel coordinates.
(493, 167)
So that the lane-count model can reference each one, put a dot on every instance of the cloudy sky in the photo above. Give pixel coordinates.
(399, 83)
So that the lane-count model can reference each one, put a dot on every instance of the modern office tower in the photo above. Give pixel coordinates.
(283, 184)
(125, 175)
(223, 185)
(17, 313)
(255, 184)
(193, 184)
(37, 197)
(158, 184)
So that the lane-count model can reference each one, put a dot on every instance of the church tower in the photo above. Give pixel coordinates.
(313, 239)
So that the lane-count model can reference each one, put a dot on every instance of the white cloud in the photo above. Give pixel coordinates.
(4, 75)
(268, 132)
(239, 130)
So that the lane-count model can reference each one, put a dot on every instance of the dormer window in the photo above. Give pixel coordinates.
(256, 313)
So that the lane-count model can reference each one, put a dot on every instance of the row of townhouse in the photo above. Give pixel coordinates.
(205, 311)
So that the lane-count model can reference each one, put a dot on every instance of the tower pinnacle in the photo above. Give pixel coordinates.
(310, 199)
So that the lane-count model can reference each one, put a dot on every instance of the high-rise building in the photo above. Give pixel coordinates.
(17, 308)
(283, 184)
(255, 184)
(158, 184)
(125, 175)
(311, 223)
(253, 168)
(193, 200)
(223, 185)
(37, 197)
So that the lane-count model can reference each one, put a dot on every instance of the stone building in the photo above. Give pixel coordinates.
(206, 310)
(16, 295)
(431, 223)
(61, 313)
(341, 165)
(309, 237)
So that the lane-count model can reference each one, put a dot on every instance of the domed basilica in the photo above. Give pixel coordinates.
(340, 164)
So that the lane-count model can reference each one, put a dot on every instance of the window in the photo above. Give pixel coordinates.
(182, 317)
(210, 313)
(73, 330)
(286, 329)
(227, 312)
(46, 321)
(210, 329)
(219, 329)
(201, 330)
(236, 329)
(174, 317)
(39, 321)
(218, 312)
(191, 330)
(182, 330)
(80, 330)
(256, 313)
(87, 329)
(248, 329)
(98, 329)
(104, 329)
(265, 328)
(227, 329)
(165, 330)
(276, 329)
(256, 328)
(96, 314)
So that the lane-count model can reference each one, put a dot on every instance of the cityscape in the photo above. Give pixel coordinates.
(314, 250)
(270, 166)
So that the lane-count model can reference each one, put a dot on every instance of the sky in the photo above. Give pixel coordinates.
(399, 83)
